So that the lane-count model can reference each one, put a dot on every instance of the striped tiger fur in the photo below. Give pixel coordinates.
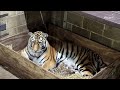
(39, 51)
(87, 62)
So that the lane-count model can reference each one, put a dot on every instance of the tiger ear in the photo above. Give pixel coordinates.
(45, 35)
(30, 33)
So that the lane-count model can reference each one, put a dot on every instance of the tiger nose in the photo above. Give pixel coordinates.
(36, 47)
(42, 47)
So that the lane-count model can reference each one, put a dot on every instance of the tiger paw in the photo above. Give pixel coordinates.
(86, 74)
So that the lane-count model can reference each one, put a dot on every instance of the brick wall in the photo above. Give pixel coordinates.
(90, 28)
(14, 23)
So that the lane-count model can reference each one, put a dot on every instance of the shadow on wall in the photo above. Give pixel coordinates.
(34, 20)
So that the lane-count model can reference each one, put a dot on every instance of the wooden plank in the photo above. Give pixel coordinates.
(109, 55)
(18, 41)
(21, 67)
(111, 72)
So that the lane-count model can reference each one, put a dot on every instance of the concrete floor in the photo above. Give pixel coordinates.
(4, 74)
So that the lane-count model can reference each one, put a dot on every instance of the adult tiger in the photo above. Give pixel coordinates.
(39, 51)
(87, 62)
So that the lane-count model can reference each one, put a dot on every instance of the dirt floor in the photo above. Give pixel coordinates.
(4, 74)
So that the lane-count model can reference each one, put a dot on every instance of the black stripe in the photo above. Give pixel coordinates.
(81, 50)
(97, 58)
(84, 51)
(97, 62)
(84, 65)
(62, 53)
(67, 49)
(81, 58)
(75, 56)
(42, 59)
(60, 47)
(76, 52)
(31, 43)
(42, 53)
(58, 63)
(77, 60)
(29, 54)
(90, 68)
(71, 50)
(46, 60)
(102, 64)
(92, 60)
(82, 61)
(73, 53)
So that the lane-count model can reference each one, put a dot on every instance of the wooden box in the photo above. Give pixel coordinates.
(25, 69)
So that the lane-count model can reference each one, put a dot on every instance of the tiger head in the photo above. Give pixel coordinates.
(38, 41)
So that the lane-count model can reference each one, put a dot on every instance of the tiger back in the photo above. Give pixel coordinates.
(87, 62)
(78, 58)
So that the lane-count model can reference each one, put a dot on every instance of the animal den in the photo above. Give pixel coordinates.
(12, 61)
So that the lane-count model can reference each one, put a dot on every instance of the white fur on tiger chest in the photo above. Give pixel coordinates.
(69, 62)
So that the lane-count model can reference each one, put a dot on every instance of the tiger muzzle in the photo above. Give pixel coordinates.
(35, 46)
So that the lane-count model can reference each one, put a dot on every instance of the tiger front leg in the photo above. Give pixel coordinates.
(86, 74)
(50, 64)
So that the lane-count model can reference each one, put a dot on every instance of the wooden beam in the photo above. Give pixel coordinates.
(111, 72)
(21, 67)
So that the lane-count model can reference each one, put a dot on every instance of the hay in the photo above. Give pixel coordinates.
(66, 73)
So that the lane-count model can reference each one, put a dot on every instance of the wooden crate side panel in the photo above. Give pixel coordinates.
(18, 41)
(111, 72)
(21, 67)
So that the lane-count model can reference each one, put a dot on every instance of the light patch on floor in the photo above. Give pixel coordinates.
(4, 74)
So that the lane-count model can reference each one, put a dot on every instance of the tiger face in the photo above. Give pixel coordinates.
(37, 41)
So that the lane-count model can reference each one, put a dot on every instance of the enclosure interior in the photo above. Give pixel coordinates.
(19, 41)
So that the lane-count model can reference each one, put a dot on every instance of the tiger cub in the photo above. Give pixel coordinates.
(87, 62)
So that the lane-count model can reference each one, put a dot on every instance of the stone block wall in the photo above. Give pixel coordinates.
(91, 28)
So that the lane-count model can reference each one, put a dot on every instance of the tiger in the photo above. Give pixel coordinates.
(83, 59)
(39, 51)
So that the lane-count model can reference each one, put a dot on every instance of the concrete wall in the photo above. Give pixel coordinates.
(12, 23)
